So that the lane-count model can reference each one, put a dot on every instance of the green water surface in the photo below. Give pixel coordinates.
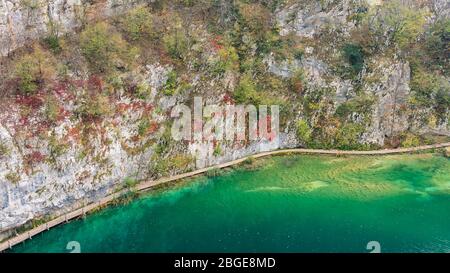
(280, 204)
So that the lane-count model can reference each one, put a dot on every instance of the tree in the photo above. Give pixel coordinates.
(104, 48)
(353, 54)
(431, 90)
(256, 18)
(410, 140)
(298, 81)
(227, 60)
(94, 106)
(347, 136)
(175, 41)
(137, 24)
(33, 70)
(303, 131)
(246, 91)
(401, 24)
(438, 43)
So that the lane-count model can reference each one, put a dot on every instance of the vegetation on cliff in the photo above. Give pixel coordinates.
(111, 81)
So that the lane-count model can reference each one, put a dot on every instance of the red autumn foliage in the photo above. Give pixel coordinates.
(62, 89)
(95, 83)
(74, 133)
(34, 157)
(62, 114)
(153, 127)
(298, 87)
(23, 121)
(136, 105)
(122, 107)
(135, 138)
(228, 99)
(33, 101)
(216, 43)
(79, 83)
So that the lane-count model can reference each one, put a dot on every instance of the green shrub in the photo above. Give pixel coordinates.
(53, 44)
(437, 43)
(256, 18)
(26, 71)
(159, 166)
(360, 105)
(298, 54)
(431, 90)
(164, 142)
(423, 84)
(217, 150)
(12, 177)
(228, 60)
(359, 15)
(94, 107)
(180, 162)
(115, 82)
(353, 54)
(52, 40)
(298, 81)
(213, 172)
(402, 23)
(410, 140)
(137, 24)
(303, 131)
(177, 163)
(246, 91)
(176, 43)
(4, 150)
(33, 70)
(347, 137)
(170, 86)
(143, 91)
(130, 182)
(51, 111)
(104, 48)
(143, 127)
(31, 4)
(57, 148)
(442, 99)
(249, 160)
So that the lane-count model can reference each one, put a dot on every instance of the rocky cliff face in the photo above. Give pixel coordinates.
(47, 187)
(25, 20)
(84, 134)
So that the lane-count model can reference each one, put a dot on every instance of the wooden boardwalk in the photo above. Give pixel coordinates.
(145, 185)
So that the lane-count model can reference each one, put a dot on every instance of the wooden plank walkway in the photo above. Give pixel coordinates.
(145, 185)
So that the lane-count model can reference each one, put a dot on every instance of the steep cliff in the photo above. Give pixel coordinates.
(25, 20)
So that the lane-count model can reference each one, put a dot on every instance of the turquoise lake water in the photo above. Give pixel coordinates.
(281, 204)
